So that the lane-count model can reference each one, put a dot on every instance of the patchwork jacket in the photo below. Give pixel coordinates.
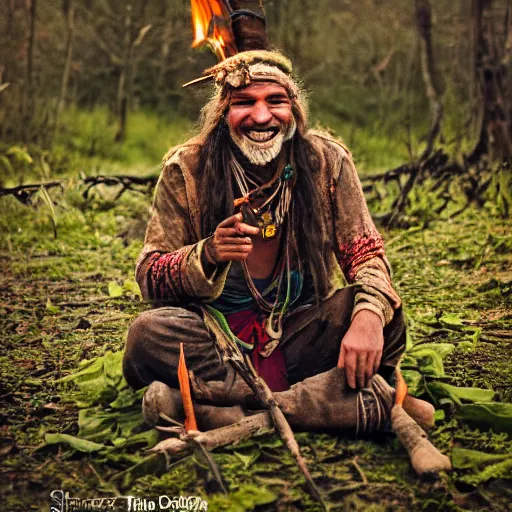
(169, 266)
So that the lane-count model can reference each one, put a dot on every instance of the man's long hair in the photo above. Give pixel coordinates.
(310, 246)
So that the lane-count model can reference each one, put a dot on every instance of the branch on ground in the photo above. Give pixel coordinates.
(144, 184)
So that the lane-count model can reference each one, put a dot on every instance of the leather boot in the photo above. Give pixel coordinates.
(324, 401)
(160, 398)
(235, 391)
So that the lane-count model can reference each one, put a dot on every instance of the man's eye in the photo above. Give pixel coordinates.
(278, 102)
(241, 103)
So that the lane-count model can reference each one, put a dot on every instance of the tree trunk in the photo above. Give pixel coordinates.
(6, 56)
(68, 9)
(28, 103)
(6, 68)
(492, 58)
(128, 69)
(124, 78)
(432, 88)
(165, 49)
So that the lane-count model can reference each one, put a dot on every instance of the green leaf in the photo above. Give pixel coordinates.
(500, 470)
(132, 287)
(48, 202)
(439, 415)
(491, 415)
(466, 346)
(125, 398)
(245, 499)
(442, 349)
(429, 361)
(451, 320)
(76, 443)
(147, 439)
(114, 290)
(249, 459)
(112, 368)
(20, 155)
(6, 164)
(475, 337)
(415, 382)
(50, 307)
(101, 380)
(95, 424)
(462, 458)
(441, 389)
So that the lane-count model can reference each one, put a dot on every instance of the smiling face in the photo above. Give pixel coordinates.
(260, 120)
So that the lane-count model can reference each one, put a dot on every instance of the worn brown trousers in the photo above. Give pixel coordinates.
(311, 343)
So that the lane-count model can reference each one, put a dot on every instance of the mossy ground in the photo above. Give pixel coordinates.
(56, 311)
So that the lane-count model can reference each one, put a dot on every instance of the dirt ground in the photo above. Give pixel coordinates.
(71, 298)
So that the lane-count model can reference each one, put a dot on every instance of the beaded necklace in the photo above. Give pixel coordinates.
(271, 214)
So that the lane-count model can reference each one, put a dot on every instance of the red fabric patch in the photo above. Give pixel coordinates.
(357, 252)
(249, 326)
(165, 274)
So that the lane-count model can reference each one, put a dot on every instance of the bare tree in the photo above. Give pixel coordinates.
(28, 103)
(131, 39)
(68, 10)
(432, 88)
(492, 42)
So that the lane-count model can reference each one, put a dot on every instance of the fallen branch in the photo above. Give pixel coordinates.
(24, 193)
(258, 424)
(266, 397)
(126, 182)
(142, 184)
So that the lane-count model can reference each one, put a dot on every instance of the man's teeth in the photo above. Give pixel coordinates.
(259, 136)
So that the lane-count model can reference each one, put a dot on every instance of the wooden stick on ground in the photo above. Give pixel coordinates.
(281, 424)
(257, 424)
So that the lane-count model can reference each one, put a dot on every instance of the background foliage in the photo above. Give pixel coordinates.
(71, 71)
(92, 88)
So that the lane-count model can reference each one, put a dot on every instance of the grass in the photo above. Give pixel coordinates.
(59, 264)
(56, 312)
(85, 145)
(148, 136)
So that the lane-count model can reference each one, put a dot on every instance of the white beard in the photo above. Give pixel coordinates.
(261, 153)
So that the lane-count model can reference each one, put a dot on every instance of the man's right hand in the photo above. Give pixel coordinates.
(231, 241)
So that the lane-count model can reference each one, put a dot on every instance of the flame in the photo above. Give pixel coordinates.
(212, 26)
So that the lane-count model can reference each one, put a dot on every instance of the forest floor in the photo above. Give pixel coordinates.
(71, 298)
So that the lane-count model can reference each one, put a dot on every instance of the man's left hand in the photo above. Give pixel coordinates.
(361, 348)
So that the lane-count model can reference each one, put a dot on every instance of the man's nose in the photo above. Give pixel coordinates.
(260, 113)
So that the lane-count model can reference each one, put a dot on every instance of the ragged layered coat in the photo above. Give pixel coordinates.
(169, 266)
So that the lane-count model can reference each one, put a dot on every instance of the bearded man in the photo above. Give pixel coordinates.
(260, 232)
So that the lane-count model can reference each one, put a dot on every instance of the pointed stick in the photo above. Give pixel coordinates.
(198, 80)
(258, 424)
(190, 417)
(243, 366)
(283, 428)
